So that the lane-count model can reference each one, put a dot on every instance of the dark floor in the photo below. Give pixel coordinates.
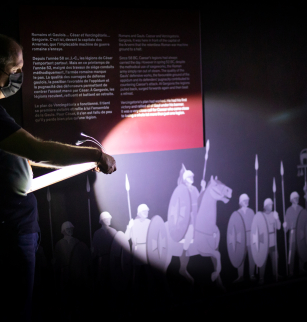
(179, 301)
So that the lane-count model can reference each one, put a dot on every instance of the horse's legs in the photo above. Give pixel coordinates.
(217, 269)
(216, 259)
(184, 260)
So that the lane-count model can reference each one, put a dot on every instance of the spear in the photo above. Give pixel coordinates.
(284, 209)
(50, 221)
(305, 193)
(206, 158)
(205, 166)
(256, 169)
(88, 189)
(128, 196)
(274, 192)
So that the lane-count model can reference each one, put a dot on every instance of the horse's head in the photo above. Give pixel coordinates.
(218, 190)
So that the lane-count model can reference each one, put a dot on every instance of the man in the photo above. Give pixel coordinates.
(18, 210)
(273, 223)
(188, 180)
(102, 242)
(72, 267)
(247, 215)
(292, 214)
(137, 232)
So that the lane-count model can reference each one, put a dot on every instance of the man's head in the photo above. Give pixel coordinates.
(67, 228)
(268, 205)
(11, 63)
(105, 218)
(143, 211)
(244, 200)
(294, 198)
(188, 177)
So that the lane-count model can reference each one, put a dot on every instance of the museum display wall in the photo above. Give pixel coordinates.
(207, 123)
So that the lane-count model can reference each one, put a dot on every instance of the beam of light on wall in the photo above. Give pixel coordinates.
(282, 117)
(289, 115)
(60, 175)
(159, 126)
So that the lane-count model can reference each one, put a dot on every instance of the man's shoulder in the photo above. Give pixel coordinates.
(250, 211)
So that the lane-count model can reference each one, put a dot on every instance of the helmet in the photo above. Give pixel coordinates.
(187, 174)
(293, 195)
(66, 224)
(244, 196)
(267, 201)
(142, 207)
(104, 215)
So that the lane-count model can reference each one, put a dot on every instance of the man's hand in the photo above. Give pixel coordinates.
(106, 164)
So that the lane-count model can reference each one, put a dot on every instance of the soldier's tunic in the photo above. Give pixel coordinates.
(291, 220)
(272, 225)
(71, 261)
(194, 194)
(138, 235)
(247, 215)
(102, 242)
(62, 253)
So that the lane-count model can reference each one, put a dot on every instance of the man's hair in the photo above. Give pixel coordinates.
(8, 50)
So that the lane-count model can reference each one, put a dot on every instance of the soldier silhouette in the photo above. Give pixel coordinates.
(137, 231)
(292, 214)
(72, 270)
(273, 223)
(247, 215)
(102, 242)
(188, 180)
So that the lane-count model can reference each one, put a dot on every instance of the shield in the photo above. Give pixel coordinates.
(259, 239)
(120, 262)
(179, 210)
(157, 243)
(236, 239)
(301, 235)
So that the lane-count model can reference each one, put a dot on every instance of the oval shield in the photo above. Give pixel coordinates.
(301, 235)
(120, 262)
(157, 243)
(259, 239)
(179, 210)
(236, 239)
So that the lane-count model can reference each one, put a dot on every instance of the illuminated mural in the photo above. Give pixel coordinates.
(226, 216)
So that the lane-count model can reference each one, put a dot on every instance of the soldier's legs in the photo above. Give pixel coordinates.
(274, 258)
(301, 266)
(188, 237)
(292, 249)
(241, 270)
(184, 260)
(251, 263)
(261, 272)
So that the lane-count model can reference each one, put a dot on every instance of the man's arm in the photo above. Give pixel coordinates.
(23, 144)
(44, 165)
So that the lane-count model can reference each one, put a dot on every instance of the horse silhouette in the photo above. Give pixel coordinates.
(206, 233)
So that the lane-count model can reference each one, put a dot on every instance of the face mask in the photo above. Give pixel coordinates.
(15, 82)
